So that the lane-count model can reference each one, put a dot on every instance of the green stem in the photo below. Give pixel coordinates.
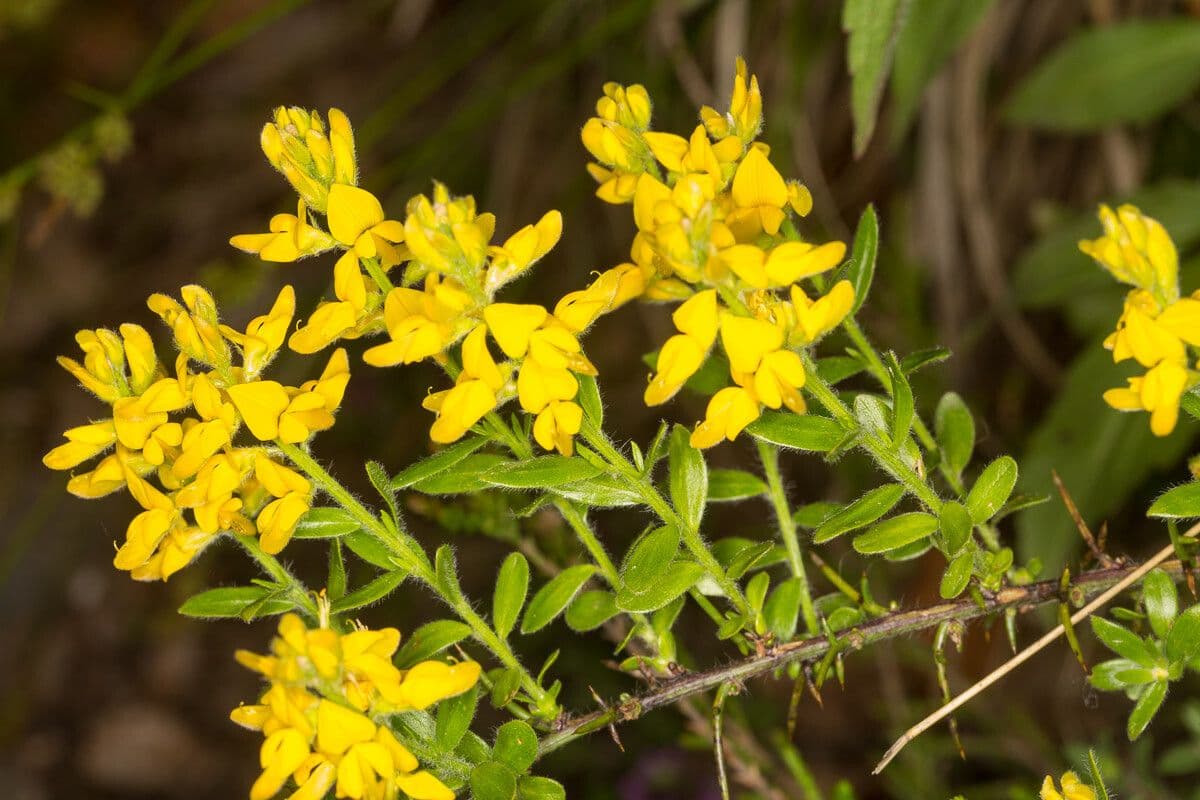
(879, 370)
(296, 590)
(418, 565)
(587, 537)
(769, 455)
(883, 451)
(375, 270)
(626, 471)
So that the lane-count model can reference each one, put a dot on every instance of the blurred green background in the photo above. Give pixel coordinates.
(128, 155)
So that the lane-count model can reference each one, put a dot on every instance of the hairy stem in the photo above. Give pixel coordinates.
(418, 564)
(769, 455)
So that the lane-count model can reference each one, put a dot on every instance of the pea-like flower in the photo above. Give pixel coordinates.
(1072, 788)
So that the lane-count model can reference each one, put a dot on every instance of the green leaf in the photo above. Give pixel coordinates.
(756, 591)
(688, 477)
(383, 485)
(835, 369)
(756, 555)
(1117, 675)
(649, 558)
(932, 31)
(811, 515)
(1123, 642)
(927, 357)
(678, 578)
(810, 432)
(430, 639)
(543, 472)
(1129, 72)
(454, 715)
(958, 574)
(590, 610)
(1161, 601)
(733, 484)
(534, 787)
(954, 428)
(860, 269)
(492, 780)
(589, 399)
(1145, 709)
(516, 745)
(902, 401)
(506, 683)
(325, 522)
(230, 601)
(438, 462)
(335, 579)
(899, 531)
(1183, 642)
(462, 477)
(602, 491)
(873, 27)
(1182, 502)
(863, 511)
(372, 592)
(369, 549)
(552, 598)
(955, 523)
(992, 489)
(782, 609)
(446, 572)
(512, 584)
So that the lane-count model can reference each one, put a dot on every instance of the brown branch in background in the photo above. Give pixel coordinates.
(670, 35)
(970, 83)
(890, 626)
(1093, 546)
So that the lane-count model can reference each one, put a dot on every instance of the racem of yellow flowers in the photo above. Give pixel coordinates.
(716, 230)
(1158, 329)
(324, 715)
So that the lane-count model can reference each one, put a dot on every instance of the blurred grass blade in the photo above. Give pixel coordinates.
(872, 27)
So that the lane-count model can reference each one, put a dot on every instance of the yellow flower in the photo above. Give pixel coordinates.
(759, 195)
(472, 397)
(522, 250)
(296, 144)
(816, 318)
(729, 411)
(628, 106)
(324, 715)
(290, 238)
(265, 334)
(1158, 391)
(1072, 789)
(1137, 250)
(744, 118)
(556, 425)
(419, 324)
(356, 220)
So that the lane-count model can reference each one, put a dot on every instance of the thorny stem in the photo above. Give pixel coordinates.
(891, 626)
(883, 451)
(418, 564)
(769, 455)
(651, 497)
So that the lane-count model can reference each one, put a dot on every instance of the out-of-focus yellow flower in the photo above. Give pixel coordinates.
(1137, 250)
(1158, 391)
(324, 715)
(1072, 789)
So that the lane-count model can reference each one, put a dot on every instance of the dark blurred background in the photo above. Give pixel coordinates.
(128, 155)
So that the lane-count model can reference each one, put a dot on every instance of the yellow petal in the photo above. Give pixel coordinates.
(747, 340)
(338, 728)
(423, 786)
(698, 317)
(511, 325)
(433, 681)
(260, 403)
(758, 183)
(351, 212)
(793, 261)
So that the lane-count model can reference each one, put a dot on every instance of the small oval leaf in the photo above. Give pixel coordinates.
(810, 432)
(863, 511)
(552, 598)
(897, 532)
(992, 489)
(512, 584)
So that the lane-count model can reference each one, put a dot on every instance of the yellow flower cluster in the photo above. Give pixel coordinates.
(179, 429)
(1072, 789)
(323, 715)
(1157, 326)
(449, 253)
(715, 230)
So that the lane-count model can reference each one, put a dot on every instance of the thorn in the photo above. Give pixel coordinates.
(812, 686)
(1095, 549)
(612, 729)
